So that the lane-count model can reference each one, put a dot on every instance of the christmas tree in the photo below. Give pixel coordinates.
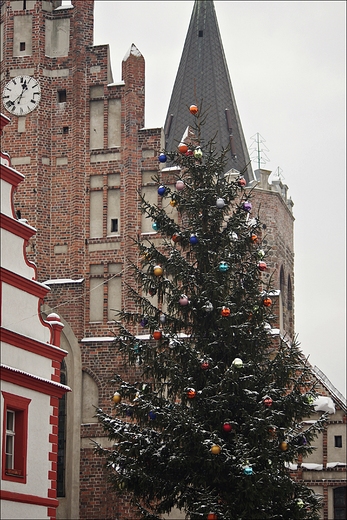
(215, 412)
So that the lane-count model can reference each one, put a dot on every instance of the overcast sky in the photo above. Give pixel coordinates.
(287, 66)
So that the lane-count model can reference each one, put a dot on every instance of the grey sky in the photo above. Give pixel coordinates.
(287, 66)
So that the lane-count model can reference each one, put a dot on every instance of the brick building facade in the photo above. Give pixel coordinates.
(86, 153)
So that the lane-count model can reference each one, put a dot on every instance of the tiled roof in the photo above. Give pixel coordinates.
(203, 79)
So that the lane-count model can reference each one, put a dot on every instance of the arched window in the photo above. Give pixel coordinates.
(289, 295)
(340, 503)
(61, 436)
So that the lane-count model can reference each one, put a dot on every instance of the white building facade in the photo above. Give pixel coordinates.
(30, 371)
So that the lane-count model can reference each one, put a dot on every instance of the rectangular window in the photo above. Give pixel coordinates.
(62, 96)
(22, 46)
(15, 437)
(10, 435)
(114, 225)
(338, 441)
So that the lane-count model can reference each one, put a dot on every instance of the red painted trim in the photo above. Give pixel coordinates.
(16, 228)
(13, 226)
(20, 405)
(29, 286)
(32, 345)
(8, 174)
(29, 381)
(28, 499)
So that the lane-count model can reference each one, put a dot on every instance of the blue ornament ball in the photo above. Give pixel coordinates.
(152, 415)
(223, 267)
(162, 158)
(248, 470)
(193, 239)
(155, 226)
(161, 190)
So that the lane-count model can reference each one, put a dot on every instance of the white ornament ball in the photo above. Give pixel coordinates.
(220, 203)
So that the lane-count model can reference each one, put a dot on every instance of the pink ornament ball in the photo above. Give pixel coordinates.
(183, 300)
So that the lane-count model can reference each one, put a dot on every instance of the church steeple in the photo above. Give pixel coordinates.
(203, 79)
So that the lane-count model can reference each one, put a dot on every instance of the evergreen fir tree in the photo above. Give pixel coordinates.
(216, 412)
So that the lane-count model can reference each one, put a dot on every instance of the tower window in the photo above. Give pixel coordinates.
(61, 96)
(114, 225)
(201, 34)
(338, 441)
(65, 129)
(22, 46)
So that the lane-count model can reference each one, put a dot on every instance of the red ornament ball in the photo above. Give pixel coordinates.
(242, 182)
(227, 427)
(212, 516)
(193, 109)
(262, 266)
(267, 401)
(267, 302)
(254, 238)
(205, 365)
(191, 393)
(157, 335)
(175, 238)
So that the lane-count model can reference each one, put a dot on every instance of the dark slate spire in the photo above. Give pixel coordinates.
(203, 79)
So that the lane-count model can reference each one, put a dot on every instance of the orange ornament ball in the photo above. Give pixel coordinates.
(267, 302)
(254, 238)
(191, 393)
(225, 311)
(173, 203)
(157, 335)
(193, 109)
(284, 446)
(117, 397)
(212, 516)
(215, 449)
(183, 148)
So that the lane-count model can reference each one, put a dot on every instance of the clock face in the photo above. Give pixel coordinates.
(21, 95)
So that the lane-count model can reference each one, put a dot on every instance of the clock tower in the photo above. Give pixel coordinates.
(44, 92)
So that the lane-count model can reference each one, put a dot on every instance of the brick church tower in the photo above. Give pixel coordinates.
(81, 142)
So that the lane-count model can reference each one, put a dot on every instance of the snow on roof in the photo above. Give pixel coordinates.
(57, 281)
(38, 378)
(134, 51)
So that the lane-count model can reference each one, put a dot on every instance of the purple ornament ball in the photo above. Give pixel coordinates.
(247, 206)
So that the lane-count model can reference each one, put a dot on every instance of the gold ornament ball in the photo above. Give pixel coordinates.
(284, 446)
(158, 270)
(215, 449)
(117, 397)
